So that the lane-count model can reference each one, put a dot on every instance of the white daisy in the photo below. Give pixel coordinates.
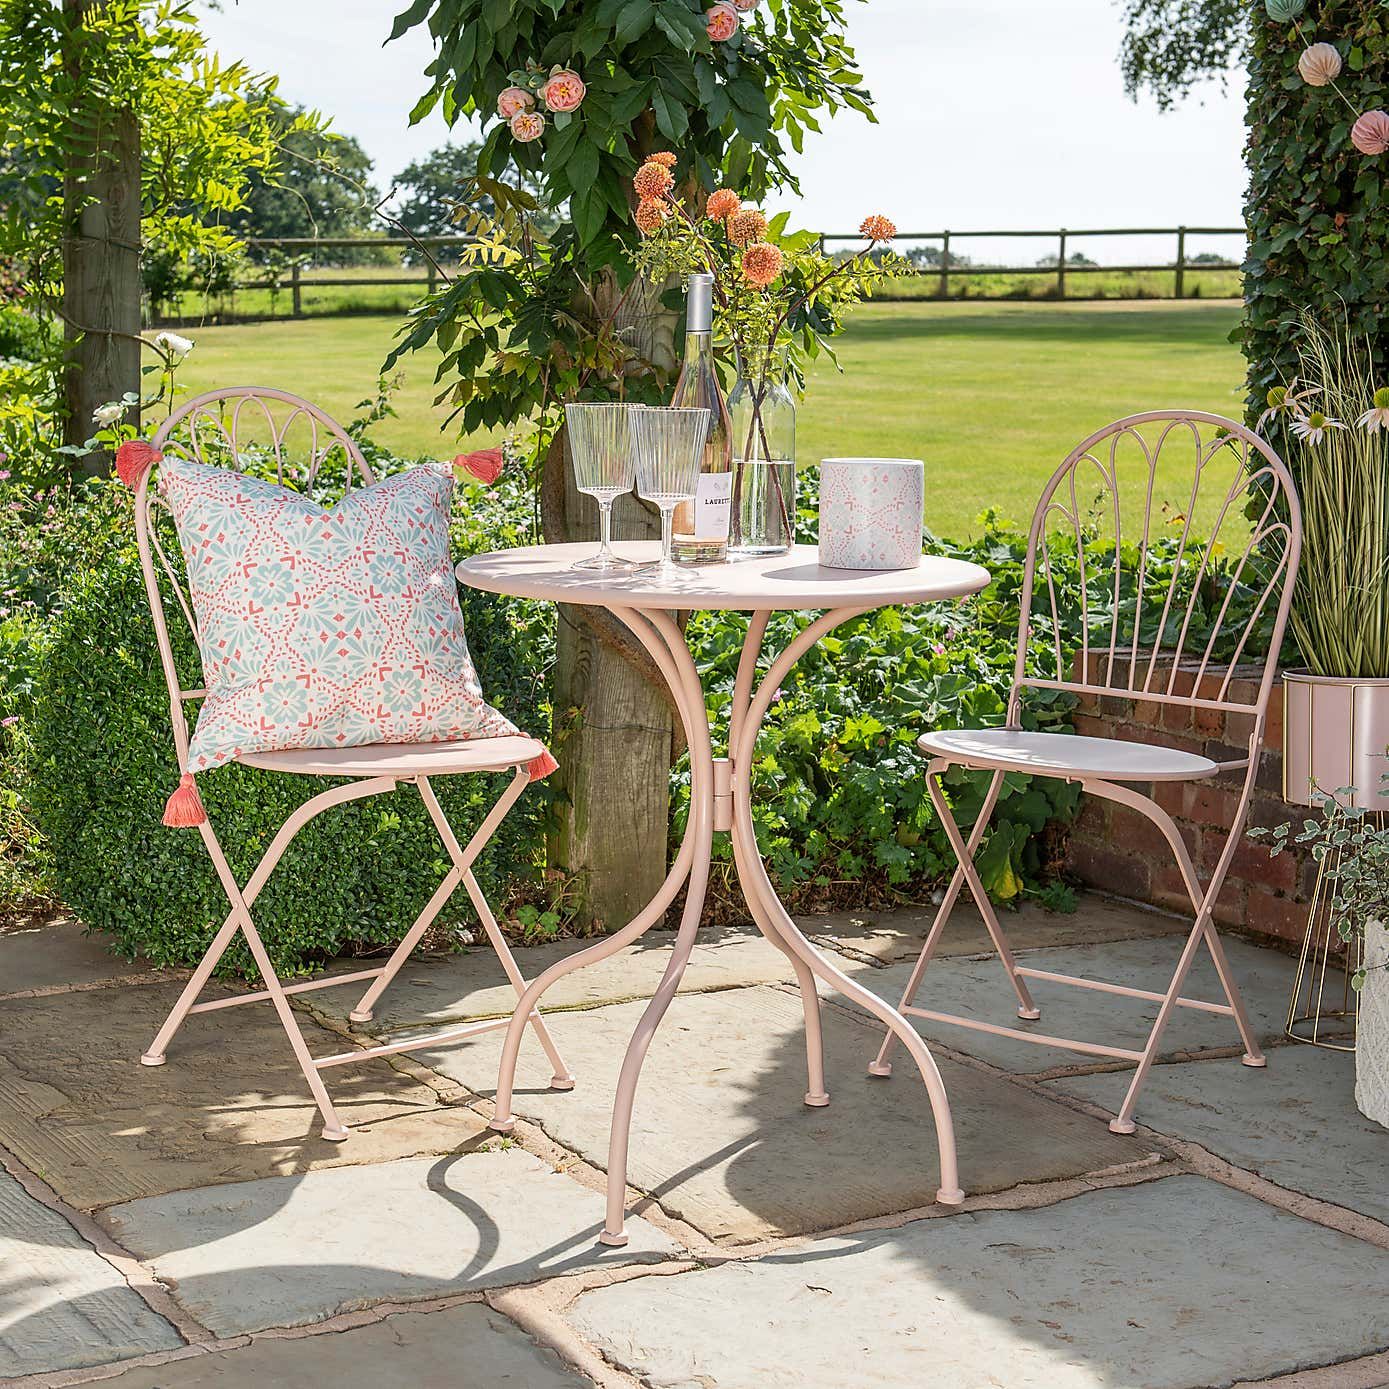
(1312, 427)
(1377, 416)
(1287, 400)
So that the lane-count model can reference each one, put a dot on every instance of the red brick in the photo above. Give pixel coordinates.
(1171, 796)
(1211, 721)
(1176, 718)
(1269, 914)
(1169, 890)
(1088, 726)
(1093, 820)
(1101, 867)
(1209, 804)
(1252, 863)
(1148, 711)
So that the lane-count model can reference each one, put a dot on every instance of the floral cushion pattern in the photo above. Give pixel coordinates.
(324, 628)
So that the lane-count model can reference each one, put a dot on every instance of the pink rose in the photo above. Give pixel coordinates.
(512, 101)
(722, 21)
(527, 126)
(563, 91)
(743, 6)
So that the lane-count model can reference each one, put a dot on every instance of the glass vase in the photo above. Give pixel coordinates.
(763, 415)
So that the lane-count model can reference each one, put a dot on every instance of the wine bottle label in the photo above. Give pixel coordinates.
(713, 506)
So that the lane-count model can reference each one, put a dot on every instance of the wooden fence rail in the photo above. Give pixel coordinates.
(298, 250)
(1179, 265)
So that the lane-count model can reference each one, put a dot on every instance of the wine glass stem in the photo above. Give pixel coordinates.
(605, 522)
(667, 533)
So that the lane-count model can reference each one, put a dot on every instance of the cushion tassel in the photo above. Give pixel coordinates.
(133, 461)
(540, 767)
(185, 807)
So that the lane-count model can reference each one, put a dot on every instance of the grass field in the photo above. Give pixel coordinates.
(991, 394)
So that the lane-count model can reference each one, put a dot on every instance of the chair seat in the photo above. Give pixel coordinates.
(1064, 755)
(402, 759)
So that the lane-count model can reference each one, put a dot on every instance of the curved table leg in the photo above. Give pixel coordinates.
(815, 1095)
(503, 1120)
(758, 888)
(689, 697)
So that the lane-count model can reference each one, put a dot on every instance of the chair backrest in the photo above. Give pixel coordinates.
(245, 428)
(1167, 605)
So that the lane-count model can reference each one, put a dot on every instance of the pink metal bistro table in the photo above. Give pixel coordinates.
(720, 788)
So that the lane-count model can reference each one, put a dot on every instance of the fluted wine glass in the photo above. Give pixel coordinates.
(601, 444)
(668, 445)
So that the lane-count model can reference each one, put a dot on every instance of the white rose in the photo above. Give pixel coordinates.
(176, 347)
(109, 413)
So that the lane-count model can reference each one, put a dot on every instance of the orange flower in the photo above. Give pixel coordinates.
(761, 264)
(746, 226)
(653, 181)
(722, 204)
(662, 157)
(651, 215)
(484, 464)
(877, 228)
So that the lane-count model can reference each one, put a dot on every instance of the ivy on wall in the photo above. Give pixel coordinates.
(1316, 207)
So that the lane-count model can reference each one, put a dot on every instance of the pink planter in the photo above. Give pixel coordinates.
(1336, 733)
(870, 512)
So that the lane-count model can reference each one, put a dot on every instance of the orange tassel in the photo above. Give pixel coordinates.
(540, 767)
(133, 460)
(184, 808)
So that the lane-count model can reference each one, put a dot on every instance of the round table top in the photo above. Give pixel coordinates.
(794, 581)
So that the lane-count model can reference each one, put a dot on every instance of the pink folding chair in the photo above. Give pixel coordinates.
(215, 428)
(1151, 651)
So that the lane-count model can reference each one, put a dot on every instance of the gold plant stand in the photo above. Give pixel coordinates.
(1323, 1006)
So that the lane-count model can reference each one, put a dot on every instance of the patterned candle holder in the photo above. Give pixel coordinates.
(870, 512)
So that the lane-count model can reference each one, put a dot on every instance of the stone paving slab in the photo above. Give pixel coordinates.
(58, 954)
(437, 990)
(980, 989)
(722, 1136)
(1294, 1122)
(230, 1104)
(1166, 1285)
(434, 991)
(463, 1346)
(893, 936)
(62, 1306)
(292, 1250)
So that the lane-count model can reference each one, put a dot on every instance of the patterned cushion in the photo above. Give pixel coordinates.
(320, 628)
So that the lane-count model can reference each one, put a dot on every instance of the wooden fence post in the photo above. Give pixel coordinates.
(1061, 264)
(297, 302)
(945, 266)
(1181, 263)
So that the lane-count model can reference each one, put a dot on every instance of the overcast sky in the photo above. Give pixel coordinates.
(991, 113)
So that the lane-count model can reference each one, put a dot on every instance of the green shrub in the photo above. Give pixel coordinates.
(23, 337)
(98, 763)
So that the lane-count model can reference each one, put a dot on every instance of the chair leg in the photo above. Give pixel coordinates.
(1123, 1121)
(463, 859)
(239, 919)
(964, 873)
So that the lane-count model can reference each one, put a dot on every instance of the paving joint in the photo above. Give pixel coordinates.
(134, 1274)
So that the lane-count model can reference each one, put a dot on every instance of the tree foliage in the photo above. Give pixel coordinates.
(320, 185)
(530, 321)
(1171, 45)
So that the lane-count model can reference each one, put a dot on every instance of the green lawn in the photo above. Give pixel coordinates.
(990, 394)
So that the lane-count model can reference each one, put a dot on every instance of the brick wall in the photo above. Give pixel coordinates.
(1117, 850)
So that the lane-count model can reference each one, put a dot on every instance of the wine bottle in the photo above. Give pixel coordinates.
(701, 526)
